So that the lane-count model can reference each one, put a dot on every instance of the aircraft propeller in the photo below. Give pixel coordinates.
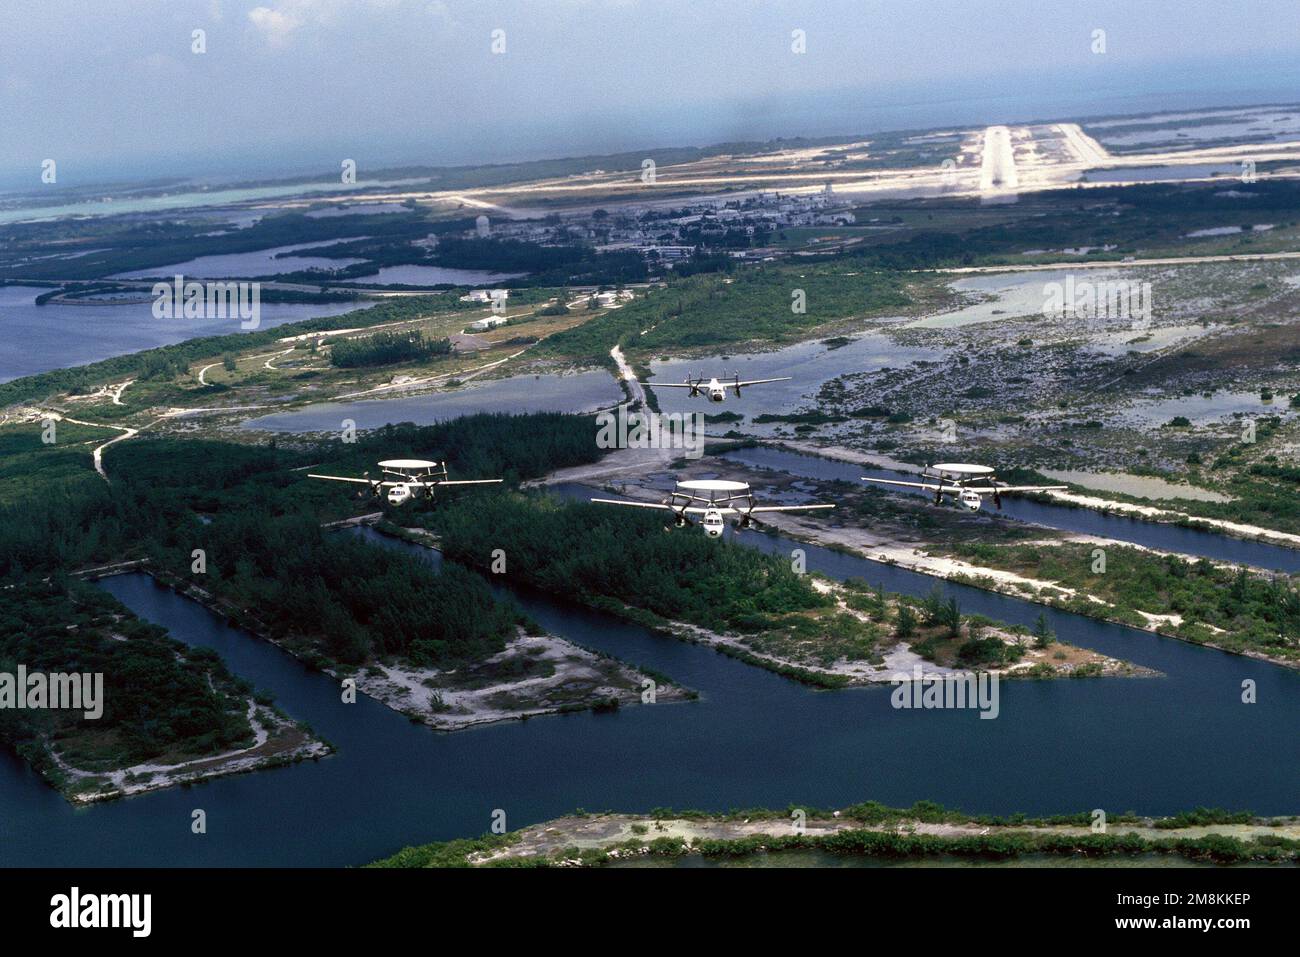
(679, 515)
(370, 488)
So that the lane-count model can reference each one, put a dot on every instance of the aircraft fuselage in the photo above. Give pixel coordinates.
(712, 523)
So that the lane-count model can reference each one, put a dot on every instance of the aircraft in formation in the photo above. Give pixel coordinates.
(715, 389)
(405, 479)
(970, 483)
(712, 499)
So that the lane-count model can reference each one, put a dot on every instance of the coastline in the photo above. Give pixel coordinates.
(989, 579)
(405, 691)
(862, 543)
(280, 741)
(1105, 506)
(866, 831)
(896, 664)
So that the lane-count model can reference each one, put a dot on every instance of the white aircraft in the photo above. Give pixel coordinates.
(406, 478)
(712, 498)
(717, 391)
(970, 483)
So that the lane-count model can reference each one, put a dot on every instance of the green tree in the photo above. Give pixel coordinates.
(932, 606)
(1043, 634)
(950, 617)
(906, 625)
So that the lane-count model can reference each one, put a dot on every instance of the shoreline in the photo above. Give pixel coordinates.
(896, 664)
(863, 544)
(991, 580)
(899, 660)
(1104, 506)
(865, 831)
(395, 683)
(271, 730)
(977, 576)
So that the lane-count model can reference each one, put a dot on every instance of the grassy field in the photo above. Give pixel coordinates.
(718, 309)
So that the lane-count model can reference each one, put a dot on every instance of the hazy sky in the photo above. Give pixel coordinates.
(112, 88)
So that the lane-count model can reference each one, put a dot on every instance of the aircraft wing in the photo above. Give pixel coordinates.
(624, 501)
(675, 385)
(689, 509)
(955, 489)
(733, 384)
(782, 508)
(929, 486)
(342, 478)
(989, 490)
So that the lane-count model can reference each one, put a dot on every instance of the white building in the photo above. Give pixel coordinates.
(487, 295)
(612, 297)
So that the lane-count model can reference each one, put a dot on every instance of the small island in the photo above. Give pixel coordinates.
(870, 834)
(170, 713)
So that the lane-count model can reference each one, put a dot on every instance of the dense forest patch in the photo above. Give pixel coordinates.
(596, 554)
(162, 700)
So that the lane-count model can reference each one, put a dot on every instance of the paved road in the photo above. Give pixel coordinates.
(627, 375)
(1115, 264)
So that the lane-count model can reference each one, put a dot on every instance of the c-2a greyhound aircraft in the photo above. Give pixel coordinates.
(714, 389)
(712, 498)
(970, 483)
(405, 479)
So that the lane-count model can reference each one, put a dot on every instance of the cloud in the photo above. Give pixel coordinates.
(277, 25)
(281, 21)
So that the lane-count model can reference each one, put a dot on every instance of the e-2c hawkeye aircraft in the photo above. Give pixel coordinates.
(714, 389)
(970, 483)
(712, 499)
(405, 479)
